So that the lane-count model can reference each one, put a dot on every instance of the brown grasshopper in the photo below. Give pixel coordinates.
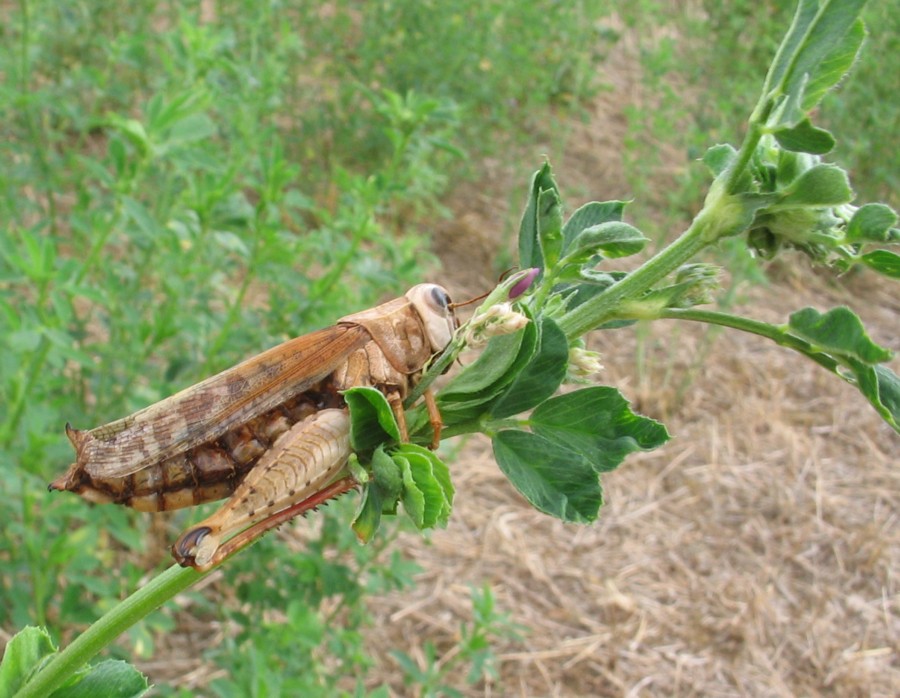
(272, 432)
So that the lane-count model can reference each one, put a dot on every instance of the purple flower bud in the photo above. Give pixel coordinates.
(523, 283)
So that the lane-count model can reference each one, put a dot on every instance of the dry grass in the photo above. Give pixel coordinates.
(754, 555)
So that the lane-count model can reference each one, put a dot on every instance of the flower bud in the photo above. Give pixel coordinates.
(524, 283)
(583, 363)
(497, 320)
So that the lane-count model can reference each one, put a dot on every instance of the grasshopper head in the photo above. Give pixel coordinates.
(432, 303)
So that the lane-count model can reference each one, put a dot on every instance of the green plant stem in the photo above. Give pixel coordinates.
(437, 368)
(17, 410)
(106, 629)
(723, 214)
(590, 315)
(777, 334)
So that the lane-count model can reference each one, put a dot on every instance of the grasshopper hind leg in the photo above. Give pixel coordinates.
(303, 469)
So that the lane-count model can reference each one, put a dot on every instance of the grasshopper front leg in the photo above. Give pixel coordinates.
(434, 416)
(301, 471)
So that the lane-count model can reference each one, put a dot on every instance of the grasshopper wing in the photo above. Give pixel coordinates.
(214, 406)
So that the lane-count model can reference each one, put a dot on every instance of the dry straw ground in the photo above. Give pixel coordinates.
(755, 555)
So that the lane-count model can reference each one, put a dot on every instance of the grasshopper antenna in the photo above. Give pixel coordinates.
(454, 306)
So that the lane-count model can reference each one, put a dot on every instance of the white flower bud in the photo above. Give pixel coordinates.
(583, 363)
(497, 320)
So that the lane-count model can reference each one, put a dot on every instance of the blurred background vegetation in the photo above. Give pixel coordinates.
(185, 184)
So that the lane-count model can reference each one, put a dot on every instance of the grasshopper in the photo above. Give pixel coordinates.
(271, 433)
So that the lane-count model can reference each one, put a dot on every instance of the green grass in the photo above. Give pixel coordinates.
(181, 190)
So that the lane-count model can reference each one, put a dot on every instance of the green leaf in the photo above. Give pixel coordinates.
(441, 473)
(372, 420)
(541, 376)
(549, 224)
(479, 383)
(884, 262)
(413, 498)
(612, 240)
(816, 53)
(597, 423)
(838, 331)
(24, 655)
(529, 245)
(790, 45)
(110, 679)
(133, 131)
(386, 475)
(436, 508)
(871, 223)
(805, 138)
(554, 479)
(493, 364)
(193, 127)
(438, 469)
(719, 157)
(822, 185)
(368, 515)
(600, 279)
(138, 213)
(881, 387)
(589, 215)
(889, 395)
(832, 69)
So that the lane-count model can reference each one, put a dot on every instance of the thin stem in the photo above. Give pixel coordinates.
(107, 628)
(763, 329)
(36, 365)
(723, 214)
(437, 368)
(741, 162)
(600, 309)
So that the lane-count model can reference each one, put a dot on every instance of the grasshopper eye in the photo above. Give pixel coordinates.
(440, 297)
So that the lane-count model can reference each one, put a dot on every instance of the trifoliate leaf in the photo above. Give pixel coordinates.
(439, 469)
(478, 384)
(430, 488)
(540, 378)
